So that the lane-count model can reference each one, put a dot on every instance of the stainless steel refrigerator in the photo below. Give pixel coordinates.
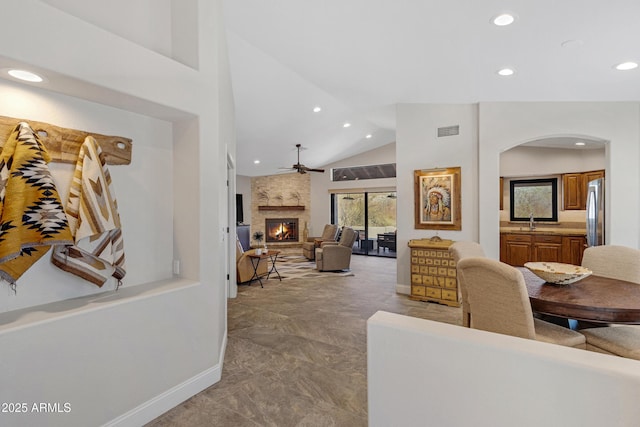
(595, 212)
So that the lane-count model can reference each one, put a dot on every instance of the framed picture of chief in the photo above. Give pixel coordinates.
(437, 199)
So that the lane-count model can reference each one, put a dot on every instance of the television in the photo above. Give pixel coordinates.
(239, 210)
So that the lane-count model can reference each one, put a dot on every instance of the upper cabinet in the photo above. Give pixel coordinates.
(575, 188)
(572, 184)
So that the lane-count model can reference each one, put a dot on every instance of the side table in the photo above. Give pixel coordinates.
(255, 261)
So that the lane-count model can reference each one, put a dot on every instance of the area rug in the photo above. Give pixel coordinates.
(299, 267)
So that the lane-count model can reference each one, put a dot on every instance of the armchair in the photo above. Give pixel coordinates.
(328, 235)
(333, 256)
(244, 267)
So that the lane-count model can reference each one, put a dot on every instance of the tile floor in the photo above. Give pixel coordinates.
(296, 352)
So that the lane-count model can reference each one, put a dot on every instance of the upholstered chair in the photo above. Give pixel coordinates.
(328, 235)
(460, 250)
(499, 303)
(622, 263)
(616, 262)
(244, 268)
(333, 256)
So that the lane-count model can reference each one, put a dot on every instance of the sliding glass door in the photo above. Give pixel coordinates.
(373, 216)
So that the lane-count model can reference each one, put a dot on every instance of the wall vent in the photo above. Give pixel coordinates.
(449, 131)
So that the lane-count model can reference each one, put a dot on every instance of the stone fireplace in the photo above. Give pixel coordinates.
(285, 198)
(281, 230)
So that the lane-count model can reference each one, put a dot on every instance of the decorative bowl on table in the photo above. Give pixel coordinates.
(558, 273)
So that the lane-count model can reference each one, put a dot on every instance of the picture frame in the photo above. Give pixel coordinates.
(437, 199)
(537, 198)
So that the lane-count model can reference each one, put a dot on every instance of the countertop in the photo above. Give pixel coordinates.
(545, 230)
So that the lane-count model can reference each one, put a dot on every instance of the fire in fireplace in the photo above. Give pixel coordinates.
(281, 229)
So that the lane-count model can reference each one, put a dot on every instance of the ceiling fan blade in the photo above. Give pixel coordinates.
(302, 168)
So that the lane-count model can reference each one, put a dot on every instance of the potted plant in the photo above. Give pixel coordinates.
(258, 236)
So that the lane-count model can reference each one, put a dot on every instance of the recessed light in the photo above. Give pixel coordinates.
(506, 72)
(626, 66)
(25, 75)
(256, 162)
(317, 109)
(503, 19)
(369, 136)
(346, 125)
(580, 143)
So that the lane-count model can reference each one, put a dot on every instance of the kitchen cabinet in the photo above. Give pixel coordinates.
(572, 249)
(547, 248)
(518, 248)
(574, 187)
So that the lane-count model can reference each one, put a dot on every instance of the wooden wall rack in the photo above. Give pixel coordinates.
(64, 144)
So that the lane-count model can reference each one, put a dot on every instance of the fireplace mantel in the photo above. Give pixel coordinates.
(280, 208)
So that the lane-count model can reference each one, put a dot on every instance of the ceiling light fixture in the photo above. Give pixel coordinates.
(506, 72)
(369, 136)
(317, 109)
(580, 143)
(346, 125)
(256, 162)
(626, 66)
(25, 75)
(503, 19)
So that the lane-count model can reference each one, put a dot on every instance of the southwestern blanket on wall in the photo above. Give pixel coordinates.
(98, 252)
(31, 215)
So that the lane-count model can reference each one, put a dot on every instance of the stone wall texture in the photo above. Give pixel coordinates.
(291, 189)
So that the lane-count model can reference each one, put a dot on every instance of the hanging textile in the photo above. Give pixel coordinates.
(98, 251)
(31, 215)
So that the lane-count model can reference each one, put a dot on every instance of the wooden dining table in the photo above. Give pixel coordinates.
(595, 299)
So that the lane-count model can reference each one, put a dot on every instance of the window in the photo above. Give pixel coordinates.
(537, 197)
(355, 173)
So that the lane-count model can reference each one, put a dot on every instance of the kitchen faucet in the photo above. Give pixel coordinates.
(532, 224)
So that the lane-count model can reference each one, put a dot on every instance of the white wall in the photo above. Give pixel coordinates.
(421, 372)
(153, 24)
(321, 184)
(538, 161)
(418, 147)
(168, 335)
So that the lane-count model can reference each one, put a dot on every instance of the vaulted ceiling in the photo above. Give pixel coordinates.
(357, 59)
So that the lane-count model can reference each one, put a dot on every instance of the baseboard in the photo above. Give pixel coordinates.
(171, 398)
(403, 289)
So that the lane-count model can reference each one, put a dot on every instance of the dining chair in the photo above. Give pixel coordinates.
(460, 250)
(616, 262)
(622, 263)
(499, 303)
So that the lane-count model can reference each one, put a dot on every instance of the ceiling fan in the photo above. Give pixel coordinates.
(299, 167)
